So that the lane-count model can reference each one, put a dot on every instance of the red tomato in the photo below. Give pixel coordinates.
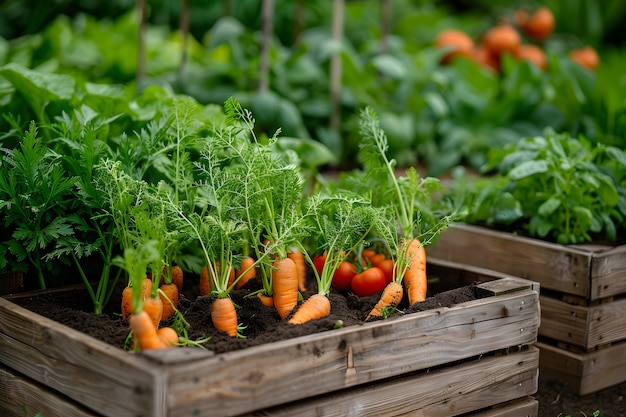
(369, 282)
(376, 259)
(387, 267)
(342, 278)
(318, 262)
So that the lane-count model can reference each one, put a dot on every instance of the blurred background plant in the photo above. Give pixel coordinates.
(437, 116)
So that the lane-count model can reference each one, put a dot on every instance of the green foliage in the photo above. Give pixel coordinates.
(555, 187)
(36, 203)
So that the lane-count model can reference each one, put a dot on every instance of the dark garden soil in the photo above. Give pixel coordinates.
(264, 326)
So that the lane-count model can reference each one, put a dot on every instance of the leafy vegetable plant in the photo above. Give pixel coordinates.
(555, 187)
(36, 202)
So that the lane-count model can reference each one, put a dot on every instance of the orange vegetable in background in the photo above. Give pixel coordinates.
(539, 25)
(587, 57)
(483, 56)
(459, 43)
(534, 54)
(501, 39)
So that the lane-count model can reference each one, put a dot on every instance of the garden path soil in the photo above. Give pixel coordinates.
(264, 326)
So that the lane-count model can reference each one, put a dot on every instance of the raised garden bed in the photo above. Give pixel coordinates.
(582, 338)
(473, 358)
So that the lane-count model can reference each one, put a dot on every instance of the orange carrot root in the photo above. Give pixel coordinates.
(246, 263)
(390, 298)
(415, 280)
(315, 307)
(127, 303)
(285, 286)
(298, 258)
(144, 332)
(205, 285)
(266, 300)
(154, 308)
(168, 336)
(127, 297)
(224, 316)
(171, 292)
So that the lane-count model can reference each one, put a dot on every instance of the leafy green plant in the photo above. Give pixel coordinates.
(554, 186)
(36, 200)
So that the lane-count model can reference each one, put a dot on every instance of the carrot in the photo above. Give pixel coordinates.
(298, 258)
(415, 281)
(224, 316)
(246, 263)
(207, 280)
(266, 300)
(315, 307)
(154, 308)
(205, 284)
(285, 286)
(169, 293)
(127, 302)
(391, 296)
(176, 273)
(168, 336)
(145, 332)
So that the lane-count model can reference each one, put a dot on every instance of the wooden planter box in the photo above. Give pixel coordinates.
(472, 359)
(582, 338)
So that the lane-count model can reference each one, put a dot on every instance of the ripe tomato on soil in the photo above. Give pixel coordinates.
(342, 278)
(386, 266)
(318, 262)
(369, 282)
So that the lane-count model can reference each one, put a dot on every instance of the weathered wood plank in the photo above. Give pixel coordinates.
(585, 373)
(18, 392)
(445, 392)
(586, 327)
(527, 407)
(315, 364)
(186, 382)
(563, 321)
(79, 366)
(553, 266)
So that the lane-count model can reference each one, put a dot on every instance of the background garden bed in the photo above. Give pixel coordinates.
(482, 344)
(582, 298)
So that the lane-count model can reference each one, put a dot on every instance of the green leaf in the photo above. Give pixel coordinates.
(540, 227)
(549, 206)
(311, 152)
(507, 209)
(606, 190)
(38, 88)
(389, 66)
(528, 168)
(584, 216)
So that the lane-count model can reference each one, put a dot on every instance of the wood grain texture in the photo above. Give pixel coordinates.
(18, 392)
(87, 370)
(584, 373)
(586, 327)
(584, 270)
(446, 392)
(187, 383)
(330, 361)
